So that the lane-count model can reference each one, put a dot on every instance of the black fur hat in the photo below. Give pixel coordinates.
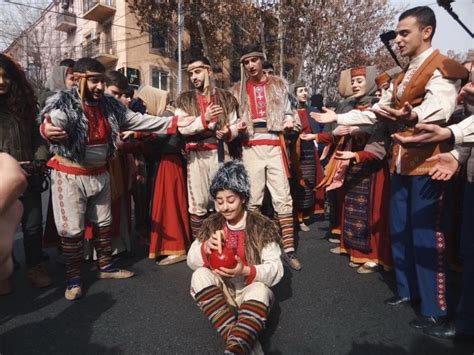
(231, 176)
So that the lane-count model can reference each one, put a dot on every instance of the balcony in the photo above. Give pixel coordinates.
(66, 22)
(98, 10)
(103, 52)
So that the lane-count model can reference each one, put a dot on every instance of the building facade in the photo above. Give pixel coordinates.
(101, 29)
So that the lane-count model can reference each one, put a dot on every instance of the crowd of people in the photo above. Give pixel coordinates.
(386, 165)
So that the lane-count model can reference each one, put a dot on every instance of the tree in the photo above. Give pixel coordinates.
(313, 39)
(33, 40)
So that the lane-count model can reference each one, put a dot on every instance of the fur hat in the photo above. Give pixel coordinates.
(231, 176)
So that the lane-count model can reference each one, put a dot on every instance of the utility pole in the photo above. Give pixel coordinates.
(281, 43)
(180, 38)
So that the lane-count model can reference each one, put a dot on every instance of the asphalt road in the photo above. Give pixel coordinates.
(327, 308)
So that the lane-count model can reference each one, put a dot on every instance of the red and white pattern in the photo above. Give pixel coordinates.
(441, 251)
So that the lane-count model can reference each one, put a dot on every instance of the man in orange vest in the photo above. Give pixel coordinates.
(425, 92)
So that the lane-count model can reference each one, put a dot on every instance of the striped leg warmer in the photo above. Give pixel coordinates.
(196, 223)
(250, 322)
(212, 302)
(73, 254)
(287, 232)
(103, 246)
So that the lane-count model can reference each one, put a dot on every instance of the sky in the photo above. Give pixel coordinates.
(449, 34)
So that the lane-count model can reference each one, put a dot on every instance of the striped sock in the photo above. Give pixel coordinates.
(196, 223)
(250, 322)
(103, 245)
(73, 254)
(212, 302)
(287, 232)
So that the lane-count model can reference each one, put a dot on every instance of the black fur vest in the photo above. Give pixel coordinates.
(76, 124)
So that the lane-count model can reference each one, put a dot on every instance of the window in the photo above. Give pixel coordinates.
(159, 39)
(159, 79)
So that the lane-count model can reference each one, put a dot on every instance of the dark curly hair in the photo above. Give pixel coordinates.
(20, 98)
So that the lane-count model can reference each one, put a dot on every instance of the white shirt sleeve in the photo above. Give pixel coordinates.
(194, 258)
(270, 271)
(440, 100)
(357, 117)
(464, 131)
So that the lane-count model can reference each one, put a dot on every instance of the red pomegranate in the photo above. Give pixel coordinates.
(226, 259)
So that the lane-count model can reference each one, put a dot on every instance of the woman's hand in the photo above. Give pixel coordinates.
(328, 116)
(128, 134)
(308, 136)
(239, 270)
(345, 155)
(215, 242)
(341, 131)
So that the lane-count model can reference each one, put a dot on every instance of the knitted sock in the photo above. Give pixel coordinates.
(196, 223)
(212, 302)
(287, 232)
(103, 246)
(250, 322)
(73, 254)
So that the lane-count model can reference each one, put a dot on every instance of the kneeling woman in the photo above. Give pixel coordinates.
(236, 300)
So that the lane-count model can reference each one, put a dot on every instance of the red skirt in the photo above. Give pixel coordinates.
(170, 234)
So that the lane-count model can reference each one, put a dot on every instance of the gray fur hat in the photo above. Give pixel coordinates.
(231, 176)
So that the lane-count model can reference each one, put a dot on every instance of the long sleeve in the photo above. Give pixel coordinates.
(379, 143)
(136, 121)
(464, 131)
(270, 271)
(196, 256)
(40, 150)
(461, 153)
(367, 117)
(233, 126)
(197, 126)
(440, 100)
(356, 117)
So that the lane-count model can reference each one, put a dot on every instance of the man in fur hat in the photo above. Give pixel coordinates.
(86, 125)
(205, 149)
(236, 300)
(266, 113)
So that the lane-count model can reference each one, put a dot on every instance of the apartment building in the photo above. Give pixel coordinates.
(102, 29)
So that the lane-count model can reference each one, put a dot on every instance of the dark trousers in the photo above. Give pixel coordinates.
(32, 227)
(418, 226)
(465, 310)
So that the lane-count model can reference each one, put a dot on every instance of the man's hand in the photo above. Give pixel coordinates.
(184, 121)
(53, 133)
(345, 155)
(239, 270)
(288, 125)
(354, 130)
(241, 126)
(223, 133)
(212, 111)
(429, 133)
(445, 167)
(467, 92)
(308, 136)
(329, 116)
(404, 115)
(127, 134)
(341, 131)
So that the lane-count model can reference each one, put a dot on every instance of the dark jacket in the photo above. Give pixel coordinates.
(20, 138)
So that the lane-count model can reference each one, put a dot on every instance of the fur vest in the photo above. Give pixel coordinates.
(259, 232)
(187, 101)
(276, 95)
(76, 125)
